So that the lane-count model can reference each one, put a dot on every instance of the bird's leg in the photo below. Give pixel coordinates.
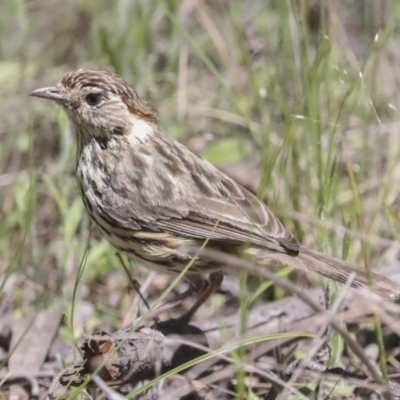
(214, 283)
(206, 289)
(193, 290)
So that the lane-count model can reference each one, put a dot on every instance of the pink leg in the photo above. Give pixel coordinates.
(214, 284)
(174, 302)
(206, 289)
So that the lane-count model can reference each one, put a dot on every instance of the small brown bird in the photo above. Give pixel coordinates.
(153, 199)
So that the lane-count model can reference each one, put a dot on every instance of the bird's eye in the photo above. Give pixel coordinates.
(94, 99)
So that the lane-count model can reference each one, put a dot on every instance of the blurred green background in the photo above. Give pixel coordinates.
(298, 100)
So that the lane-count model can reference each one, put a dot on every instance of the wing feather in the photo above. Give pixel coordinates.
(202, 205)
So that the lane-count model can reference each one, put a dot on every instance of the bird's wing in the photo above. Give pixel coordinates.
(233, 220)
(203, 205)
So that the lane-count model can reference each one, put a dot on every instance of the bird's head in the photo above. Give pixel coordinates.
(99, 104)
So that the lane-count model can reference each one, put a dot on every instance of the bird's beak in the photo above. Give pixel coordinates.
(51, 93)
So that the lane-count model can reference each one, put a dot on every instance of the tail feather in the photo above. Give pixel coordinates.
(339, 270)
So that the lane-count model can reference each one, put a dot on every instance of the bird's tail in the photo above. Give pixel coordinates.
(339, 270)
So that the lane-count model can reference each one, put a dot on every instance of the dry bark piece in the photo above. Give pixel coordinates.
(129, 357)
(120, 356)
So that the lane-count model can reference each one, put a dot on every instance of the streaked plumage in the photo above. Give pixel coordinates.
(150, 196)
